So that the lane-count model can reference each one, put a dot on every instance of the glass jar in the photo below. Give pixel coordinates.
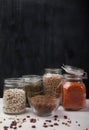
(44, 104)
(14, 100)
(52, 79)
(32, 83)
(73, 89)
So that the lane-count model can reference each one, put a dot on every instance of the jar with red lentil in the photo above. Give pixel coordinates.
(73, 88)
(52, 79)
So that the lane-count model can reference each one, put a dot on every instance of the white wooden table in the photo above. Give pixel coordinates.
(64, 120)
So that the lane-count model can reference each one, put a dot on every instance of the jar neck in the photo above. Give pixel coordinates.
(53, 70)
(32, 78)
(72, 78)
(13, 82)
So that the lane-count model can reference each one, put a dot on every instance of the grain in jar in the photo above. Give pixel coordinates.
(52, 79)
(14, 100)
(74, 89)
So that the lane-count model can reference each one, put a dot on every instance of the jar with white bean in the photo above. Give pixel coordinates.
(14, 100)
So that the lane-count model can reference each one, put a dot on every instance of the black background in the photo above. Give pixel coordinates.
(35, 34)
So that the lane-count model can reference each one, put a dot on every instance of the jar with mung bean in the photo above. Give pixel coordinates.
(14, 100)
(32, 83)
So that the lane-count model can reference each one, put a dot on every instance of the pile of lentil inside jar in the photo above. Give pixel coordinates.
(44, 104)
(14, 101)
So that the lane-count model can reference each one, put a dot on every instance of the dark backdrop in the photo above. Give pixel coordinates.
(35, 34)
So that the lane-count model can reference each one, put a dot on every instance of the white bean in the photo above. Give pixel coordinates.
(14, 101)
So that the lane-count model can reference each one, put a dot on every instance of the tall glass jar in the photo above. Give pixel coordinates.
(32, 83)
(74, 90)
(14, 100)
(52, 79)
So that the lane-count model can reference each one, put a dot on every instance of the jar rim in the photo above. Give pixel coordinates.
(56, 70)
(32, 75)
(72, 77)
(14, 80)
(32, 78)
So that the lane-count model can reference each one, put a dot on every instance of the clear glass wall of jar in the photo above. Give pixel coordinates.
(32, 83)
(14, 100)
(74, 92)
(52, 79)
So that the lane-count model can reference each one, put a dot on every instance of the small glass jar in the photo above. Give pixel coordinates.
(32, 83)
(52, 79)
(14, 100)
(44, 104)
(73, 89)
